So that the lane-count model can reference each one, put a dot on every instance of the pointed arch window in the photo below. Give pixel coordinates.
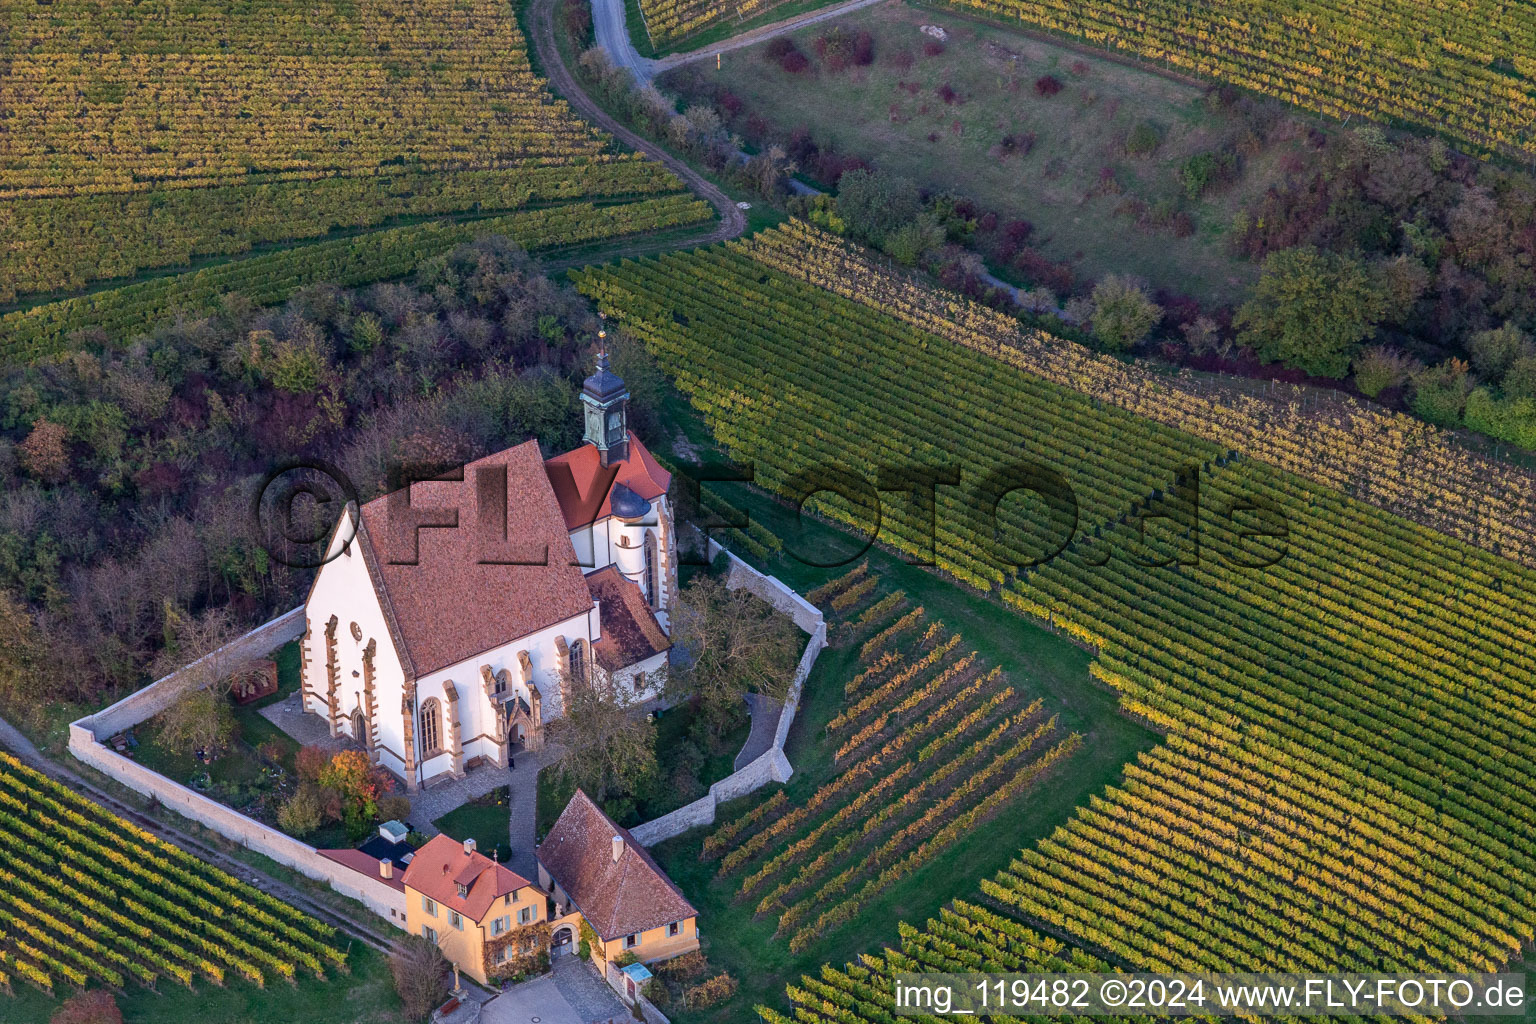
(579, 661)
(652, 591)
(431, 727)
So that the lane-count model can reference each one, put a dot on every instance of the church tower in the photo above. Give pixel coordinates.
(606, 402)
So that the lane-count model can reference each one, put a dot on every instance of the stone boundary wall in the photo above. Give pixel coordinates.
(86, 734)
(380, 898)
(161, 694)
(772, 765)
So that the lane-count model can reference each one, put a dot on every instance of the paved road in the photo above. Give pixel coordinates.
(613, 35)
(732, 221)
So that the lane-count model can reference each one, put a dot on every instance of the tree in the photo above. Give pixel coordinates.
(45, 452)
(1378, 368)
(360, 784)
(419, 970)
(1520, 379)
(200, 720)
(734, 643)
(607, 748)
(20, 654)
(96, 1006)
(304, 812)
(197, 646)
(875, 204)
(1440, 392)
(1310, 310)
(1123, 314)
(1494, 352)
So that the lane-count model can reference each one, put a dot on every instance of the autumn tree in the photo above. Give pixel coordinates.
(419, 971)
(1310, 310)
(1123, 314)
(360, 784)
(733, 643)
(608, 747)
(45, 451)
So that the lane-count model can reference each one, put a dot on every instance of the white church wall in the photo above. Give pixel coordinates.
(344, 588)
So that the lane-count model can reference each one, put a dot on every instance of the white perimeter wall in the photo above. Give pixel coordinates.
(772, 765)
(85, 745)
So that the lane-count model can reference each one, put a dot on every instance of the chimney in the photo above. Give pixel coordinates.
(618, 848)
(469, 846)
(386, 868)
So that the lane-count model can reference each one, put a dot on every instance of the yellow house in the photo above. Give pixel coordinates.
(593, 870)
(487, 919)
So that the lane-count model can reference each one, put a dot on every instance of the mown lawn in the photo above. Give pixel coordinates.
(485, 820)
(1035, 660)
(365, 996)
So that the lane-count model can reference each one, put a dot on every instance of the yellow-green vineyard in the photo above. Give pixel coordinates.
(1463, 69)
(144, 136)
(87, 898)
(930, 745)
(671, 21)
(1342, 783)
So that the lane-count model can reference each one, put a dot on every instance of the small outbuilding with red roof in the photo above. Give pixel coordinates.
(594, 870)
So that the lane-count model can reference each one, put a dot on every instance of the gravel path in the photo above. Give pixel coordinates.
(765, 722)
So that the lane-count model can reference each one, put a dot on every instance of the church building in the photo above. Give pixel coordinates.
(452, 617)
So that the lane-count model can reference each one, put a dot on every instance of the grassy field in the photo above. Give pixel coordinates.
(365, 996)
(484, 820)
(892, 114)
(1037, 661)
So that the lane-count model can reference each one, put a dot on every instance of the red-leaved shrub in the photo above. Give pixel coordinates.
(1048, 85)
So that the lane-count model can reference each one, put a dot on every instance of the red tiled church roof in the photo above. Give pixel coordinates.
(581, 484)
(461, 597)
(630, 632)
(617, 897)
(441, 866)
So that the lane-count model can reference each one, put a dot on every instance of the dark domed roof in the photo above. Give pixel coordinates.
(626, 504)
(603, 383)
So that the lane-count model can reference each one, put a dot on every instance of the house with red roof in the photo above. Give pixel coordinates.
(452, 616)
(595, 871)
(486, 918)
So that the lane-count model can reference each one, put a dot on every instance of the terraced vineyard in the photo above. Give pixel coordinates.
(1344, 783)
(89, 898)
(146, 135)
(1464, 69)
(1390, 460)
(930, 744)
(965, 937)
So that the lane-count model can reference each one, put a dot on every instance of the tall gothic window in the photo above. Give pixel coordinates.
(579, 661)
(652, 592)
(431, 727)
